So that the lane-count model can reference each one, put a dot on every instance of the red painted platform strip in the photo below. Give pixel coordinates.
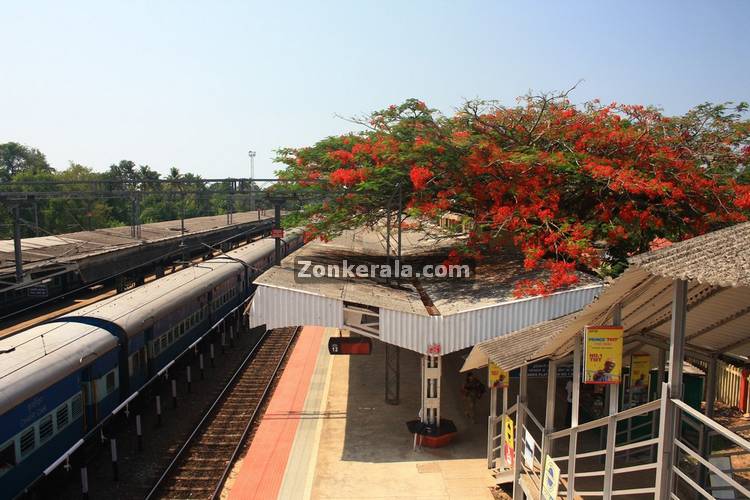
(262, 470)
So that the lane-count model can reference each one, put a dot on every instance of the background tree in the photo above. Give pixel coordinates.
(573, 186)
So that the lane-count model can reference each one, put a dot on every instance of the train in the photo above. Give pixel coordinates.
(62, 378)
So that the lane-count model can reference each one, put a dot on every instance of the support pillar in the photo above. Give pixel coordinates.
(17, 243)
(277, 225)
(549, 414)
(704, 444)
(431, 368)
(670, 416)
(392, 374)
(520, 423)
(573, 443)
(491, 422)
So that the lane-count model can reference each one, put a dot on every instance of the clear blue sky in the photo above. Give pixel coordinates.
(195, 85)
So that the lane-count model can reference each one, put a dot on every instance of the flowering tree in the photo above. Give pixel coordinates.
(573, 186)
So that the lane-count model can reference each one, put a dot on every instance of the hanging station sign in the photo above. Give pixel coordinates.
(498, 377)
(603, 355)
(349, 345)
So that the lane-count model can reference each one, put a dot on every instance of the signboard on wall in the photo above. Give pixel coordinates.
(498, 377)
(602, 355)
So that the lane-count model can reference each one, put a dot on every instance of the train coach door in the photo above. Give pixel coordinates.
(148, 337)
(87, 400)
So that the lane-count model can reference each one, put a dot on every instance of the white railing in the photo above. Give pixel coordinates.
(699, 479)
(609, 468)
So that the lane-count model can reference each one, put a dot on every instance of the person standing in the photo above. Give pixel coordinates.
(471, 392)
(569, 412)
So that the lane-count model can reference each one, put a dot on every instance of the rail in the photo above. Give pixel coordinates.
(211, 412)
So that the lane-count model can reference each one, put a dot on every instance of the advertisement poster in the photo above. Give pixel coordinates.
(551, 479)
(498, 377)
(603, 355)
(640, 368)
(509, 445)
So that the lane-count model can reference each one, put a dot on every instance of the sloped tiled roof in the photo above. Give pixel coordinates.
(719, 258)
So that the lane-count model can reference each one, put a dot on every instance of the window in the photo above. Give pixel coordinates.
(76, 406)
(27, 441)
(45, 428)
(110, 382)
(7, 457)
(62, 417)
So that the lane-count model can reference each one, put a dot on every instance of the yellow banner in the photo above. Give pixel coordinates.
(498, 376)
(640, 369)
(603, 355)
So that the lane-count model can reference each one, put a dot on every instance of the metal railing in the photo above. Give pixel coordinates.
(692, 471)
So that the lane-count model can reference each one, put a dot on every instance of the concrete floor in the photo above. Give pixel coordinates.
(365, 450)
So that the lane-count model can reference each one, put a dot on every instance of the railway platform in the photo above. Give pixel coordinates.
(329, 434)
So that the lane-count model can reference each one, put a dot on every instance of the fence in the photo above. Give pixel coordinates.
(728, 380)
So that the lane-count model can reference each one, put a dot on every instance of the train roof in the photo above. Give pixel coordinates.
(137, 309)
(35, 359)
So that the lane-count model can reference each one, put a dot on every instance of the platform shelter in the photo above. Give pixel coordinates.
(431, 316)
(686, 302)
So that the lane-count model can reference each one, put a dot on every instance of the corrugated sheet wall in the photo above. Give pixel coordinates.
(459, 331)
(280, 307)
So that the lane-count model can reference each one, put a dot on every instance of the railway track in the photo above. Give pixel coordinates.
(202, 464)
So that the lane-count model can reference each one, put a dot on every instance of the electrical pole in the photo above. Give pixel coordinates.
(251, 154)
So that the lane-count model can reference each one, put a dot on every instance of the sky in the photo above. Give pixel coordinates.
(195, 85)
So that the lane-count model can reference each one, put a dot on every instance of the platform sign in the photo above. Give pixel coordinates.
(603, 355)
(640, 368)
(550, 479)
(498, 377)
(277, 233)
(39, 291)
(349, 345)
(509, 445)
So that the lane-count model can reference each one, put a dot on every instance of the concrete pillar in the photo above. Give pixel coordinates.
(431, 371)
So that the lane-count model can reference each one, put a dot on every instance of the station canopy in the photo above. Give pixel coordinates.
(715, 265)
(426, 315)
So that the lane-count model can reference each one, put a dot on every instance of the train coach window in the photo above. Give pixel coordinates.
(27, 441)
(7, 457)
(62, 417)
(45, 429)
(76, 406)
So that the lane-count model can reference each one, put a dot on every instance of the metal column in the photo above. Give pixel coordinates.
(520, 423)
(670, 415)
(17, 243)
(277, 225)
(392, 374)
(573, 443)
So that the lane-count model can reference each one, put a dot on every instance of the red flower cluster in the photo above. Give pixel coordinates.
(419, 176)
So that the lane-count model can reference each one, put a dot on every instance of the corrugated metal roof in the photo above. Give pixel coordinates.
(279, 307)
(717, 258)
(517, 348)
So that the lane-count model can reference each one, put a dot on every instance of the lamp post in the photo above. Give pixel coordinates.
(251, 154)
